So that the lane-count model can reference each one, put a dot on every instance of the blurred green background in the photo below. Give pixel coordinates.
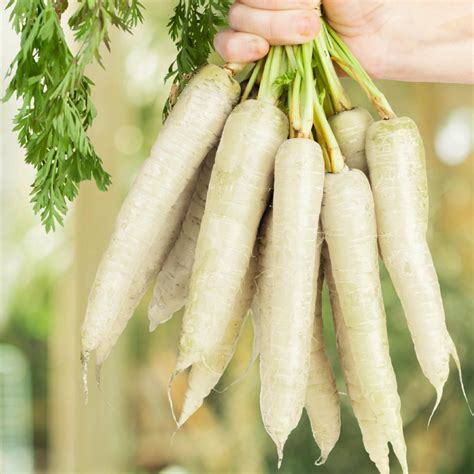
(127, 426)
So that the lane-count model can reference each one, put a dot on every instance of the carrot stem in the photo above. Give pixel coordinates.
(252, 80)
(306, 105)
(332, 153)
(269, 91)
(336, 93)
(343, 56)
(295, 109)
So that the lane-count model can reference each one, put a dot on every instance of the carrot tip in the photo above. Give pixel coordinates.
(439, 395)
(320, 461)
(172, 437)
(85, 361)
(279, 445)
(400, 450)
(454, 355)
(152, 326)
(186, 411)
(170, 399)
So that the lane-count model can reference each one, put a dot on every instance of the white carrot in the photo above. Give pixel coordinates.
(322, 399)
(160, 248)
(236, 199)
(172, 282)
(397, 171)
(287, 327)
(350, 128)
(348, 219)
(203, 377)
(188, 134)
(373, 437)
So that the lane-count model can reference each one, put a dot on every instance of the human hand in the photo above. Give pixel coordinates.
(423, 41)
(256, 24)
(429, 40)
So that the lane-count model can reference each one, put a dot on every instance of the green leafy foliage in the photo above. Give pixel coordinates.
(57, 109)
(285, 80)
(192, 27)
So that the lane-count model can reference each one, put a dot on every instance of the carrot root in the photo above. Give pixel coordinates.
(85, 356)
(187, 135)
(455, 356)
(170, 398)
(360, 316)
(236, 199)
(287, 325)
(396, 160)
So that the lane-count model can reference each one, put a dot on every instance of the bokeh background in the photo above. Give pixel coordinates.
(127, 426)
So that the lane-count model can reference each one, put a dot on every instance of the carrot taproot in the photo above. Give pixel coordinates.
(348, 220)
(397, 169)
(188, 134)
(237, 197)
(372, 436)
(322, 399)
(287, 328)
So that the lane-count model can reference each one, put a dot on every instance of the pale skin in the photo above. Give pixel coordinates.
(423, 41)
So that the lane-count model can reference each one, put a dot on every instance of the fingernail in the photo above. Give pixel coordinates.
(307, 25)
(255, 47)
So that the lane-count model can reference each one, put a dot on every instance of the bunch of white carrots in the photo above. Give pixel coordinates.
(246, 208)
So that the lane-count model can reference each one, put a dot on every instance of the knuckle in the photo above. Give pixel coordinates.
(308, 24)
(272, 31)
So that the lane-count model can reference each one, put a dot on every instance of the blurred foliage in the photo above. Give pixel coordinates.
(30, 313)
(32, 321)
(226, 435)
